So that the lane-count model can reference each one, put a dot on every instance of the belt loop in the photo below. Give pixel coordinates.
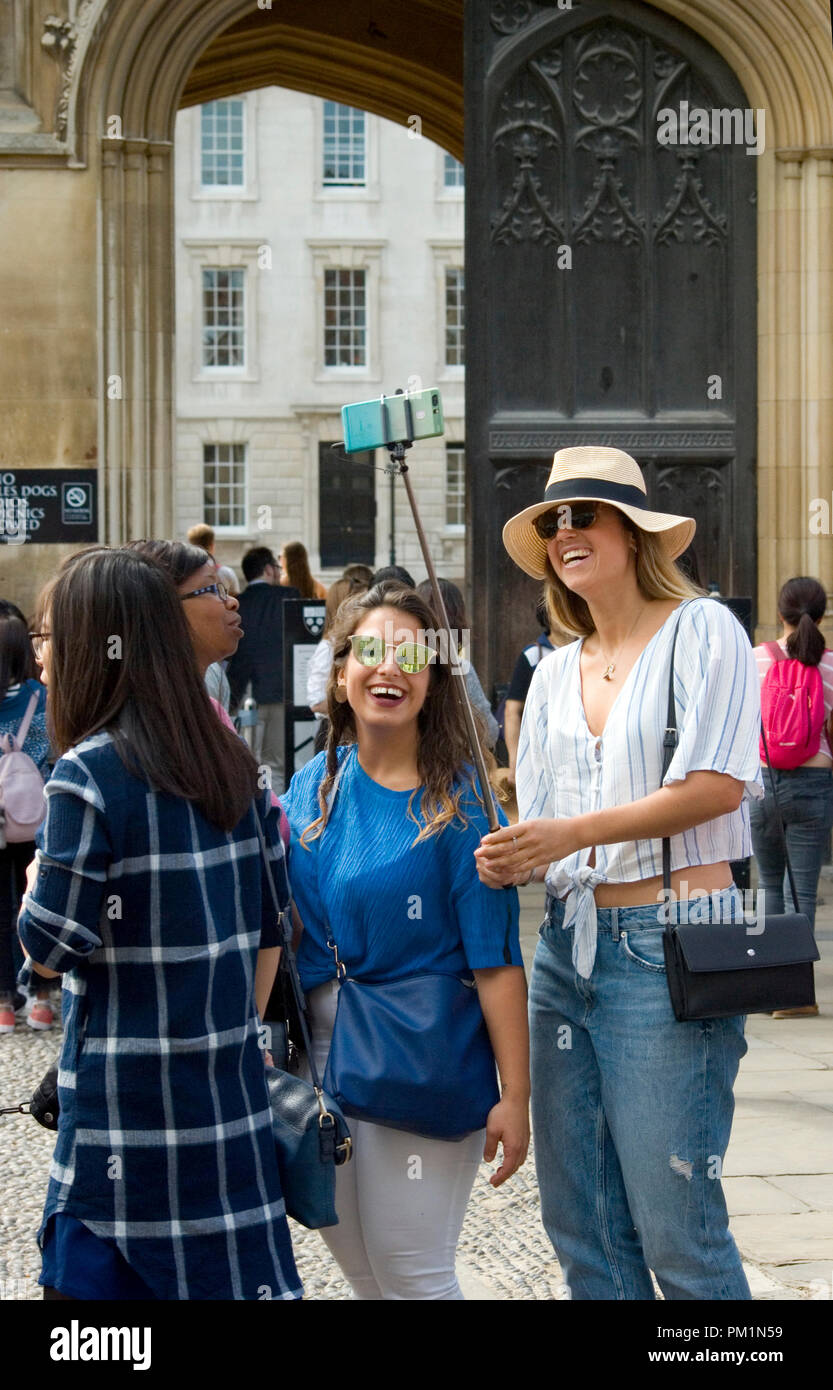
(614, 924)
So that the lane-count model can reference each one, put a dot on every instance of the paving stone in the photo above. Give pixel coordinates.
(813, 1189)
(755, 1196)
(777, 1240)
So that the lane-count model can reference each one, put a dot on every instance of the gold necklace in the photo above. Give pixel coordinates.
(607, 673)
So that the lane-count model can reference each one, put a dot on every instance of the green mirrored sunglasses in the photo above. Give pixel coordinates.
(410, 657)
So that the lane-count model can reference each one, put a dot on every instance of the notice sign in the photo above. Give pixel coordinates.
(45, 506)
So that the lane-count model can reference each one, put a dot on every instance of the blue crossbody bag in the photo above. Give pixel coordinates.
(411, 1054)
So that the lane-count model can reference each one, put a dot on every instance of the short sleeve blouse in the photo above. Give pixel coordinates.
(394, 907)
(563, 770)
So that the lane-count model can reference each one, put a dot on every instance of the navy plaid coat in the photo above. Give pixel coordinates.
(154, 917)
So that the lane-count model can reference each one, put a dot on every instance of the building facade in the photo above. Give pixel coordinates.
(319, 261)
(89, 95)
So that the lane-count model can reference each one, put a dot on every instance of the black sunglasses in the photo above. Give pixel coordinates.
(577, 517)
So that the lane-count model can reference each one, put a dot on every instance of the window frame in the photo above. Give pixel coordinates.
(209, 254)
(249, 191)
(455, 528)
(370, 191)
(235, 529)
(348, 255)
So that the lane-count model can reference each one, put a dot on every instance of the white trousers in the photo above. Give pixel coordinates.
(401, 1199)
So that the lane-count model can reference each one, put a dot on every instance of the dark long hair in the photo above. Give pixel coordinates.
(443, 754)
(17, 662)
(801, 603)
(121, 659)
(179, 559)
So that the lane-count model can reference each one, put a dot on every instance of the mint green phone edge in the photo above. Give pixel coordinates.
(363, 427)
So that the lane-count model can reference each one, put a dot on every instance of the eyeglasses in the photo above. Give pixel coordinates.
(410, 657)
(566, 518)
(38, 639)
(219, 589)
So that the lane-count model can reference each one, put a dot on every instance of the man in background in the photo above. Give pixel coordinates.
(257, 665)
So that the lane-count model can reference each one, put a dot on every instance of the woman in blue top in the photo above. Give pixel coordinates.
(18, 685)
(393, 871)
(149, 896)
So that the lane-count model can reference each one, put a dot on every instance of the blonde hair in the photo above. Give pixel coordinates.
(656, 574)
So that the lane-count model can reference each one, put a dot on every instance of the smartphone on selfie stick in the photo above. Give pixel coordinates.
(393, 423)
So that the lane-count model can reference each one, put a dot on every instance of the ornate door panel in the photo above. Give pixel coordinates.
(615, 281)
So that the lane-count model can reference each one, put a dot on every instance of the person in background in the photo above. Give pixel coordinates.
(165, 1183)
(322, 659)
(203, 537)
(458, 622)
(211, 612)
(362, 575)
(257, 666)
(295, 571)
(547, 641)
(392, 574)
(18, 687)
(805, 793)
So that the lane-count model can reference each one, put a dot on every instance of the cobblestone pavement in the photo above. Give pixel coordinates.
(779, 1170)
(504, 1253)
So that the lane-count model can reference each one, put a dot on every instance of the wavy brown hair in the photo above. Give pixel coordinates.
(443, 753)
(121, 659)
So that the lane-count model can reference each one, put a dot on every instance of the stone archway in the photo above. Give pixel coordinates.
(87, 225)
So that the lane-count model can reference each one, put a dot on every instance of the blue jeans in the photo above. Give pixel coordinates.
(805, 798)
(631, 1112)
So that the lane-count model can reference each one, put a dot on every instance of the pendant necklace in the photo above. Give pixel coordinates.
(607, 673)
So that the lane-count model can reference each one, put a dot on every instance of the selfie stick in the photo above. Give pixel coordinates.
(397, 458)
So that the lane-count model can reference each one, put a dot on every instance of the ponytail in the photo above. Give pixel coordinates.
(802, 603)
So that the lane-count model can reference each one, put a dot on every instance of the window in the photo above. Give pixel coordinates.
(223, 318)
(455, 485)
(224, 484)
(344, 146)
(453, 173)
(455, 286)
(222, 156)
(345, 318)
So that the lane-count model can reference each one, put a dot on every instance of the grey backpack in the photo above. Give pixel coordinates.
(22, 802)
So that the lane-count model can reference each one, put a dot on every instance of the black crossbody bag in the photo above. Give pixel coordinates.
(719, 970)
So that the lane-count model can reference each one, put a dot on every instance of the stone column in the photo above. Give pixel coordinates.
(160, 341)
(136, 215)
(114, 367)
(818, 346)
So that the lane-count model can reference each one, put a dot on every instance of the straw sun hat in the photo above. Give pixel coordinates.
(593, 473)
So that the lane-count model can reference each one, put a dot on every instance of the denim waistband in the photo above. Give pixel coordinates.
(724, 906)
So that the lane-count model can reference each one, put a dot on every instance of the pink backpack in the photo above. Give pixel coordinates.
(22, 802)
(792, 710)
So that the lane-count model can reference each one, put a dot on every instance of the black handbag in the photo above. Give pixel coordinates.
(720, 970)
(310, 1132)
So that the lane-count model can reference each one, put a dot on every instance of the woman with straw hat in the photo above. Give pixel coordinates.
(631, 1110)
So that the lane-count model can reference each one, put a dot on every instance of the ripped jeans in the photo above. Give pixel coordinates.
(631, 1113)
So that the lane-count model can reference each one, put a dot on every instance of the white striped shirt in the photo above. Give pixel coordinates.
(764, 661)
(563, 770)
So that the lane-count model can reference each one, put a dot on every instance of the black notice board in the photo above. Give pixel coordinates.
(303, 623)
(48, 506)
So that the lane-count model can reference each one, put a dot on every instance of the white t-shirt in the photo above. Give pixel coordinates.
(563, 770)
(764, 661)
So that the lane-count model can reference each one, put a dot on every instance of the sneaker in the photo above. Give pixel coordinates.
(6, 1018)
(40, 1016)
(805, 1011)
